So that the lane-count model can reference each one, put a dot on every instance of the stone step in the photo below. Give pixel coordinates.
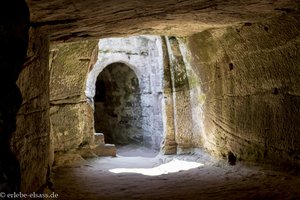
(99, 138)
(105, 150)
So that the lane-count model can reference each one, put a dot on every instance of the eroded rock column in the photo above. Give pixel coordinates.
(181, 97)
(169, 142)
(31, 141)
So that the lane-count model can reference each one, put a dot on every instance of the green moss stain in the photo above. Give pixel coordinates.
(181, 79)
(178, 68)
(193, 80)
(201, 99)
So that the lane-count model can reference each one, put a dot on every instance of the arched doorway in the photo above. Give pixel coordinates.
(118, 110)
(143, 58)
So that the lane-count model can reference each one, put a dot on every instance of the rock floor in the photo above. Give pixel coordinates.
(212, 180)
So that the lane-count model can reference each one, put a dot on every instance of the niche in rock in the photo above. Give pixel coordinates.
(118, 111)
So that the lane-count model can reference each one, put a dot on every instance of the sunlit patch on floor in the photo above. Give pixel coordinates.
(170, 167)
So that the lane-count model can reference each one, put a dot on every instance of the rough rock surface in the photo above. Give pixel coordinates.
(71, 116)
(249, 78)
(169, 142)
(69, 20)
(31, 141)
(182, 109)
(71, 126)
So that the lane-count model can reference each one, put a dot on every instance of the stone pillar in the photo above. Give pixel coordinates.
(71, 117)
(181, 97)
(14, 24)
(169, 143)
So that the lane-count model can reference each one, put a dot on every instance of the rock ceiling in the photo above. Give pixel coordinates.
(70, 19)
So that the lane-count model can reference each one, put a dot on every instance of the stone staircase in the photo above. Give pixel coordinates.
(99, 148)
(102, 149)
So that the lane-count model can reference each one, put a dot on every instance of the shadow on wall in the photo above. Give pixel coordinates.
(118, 110)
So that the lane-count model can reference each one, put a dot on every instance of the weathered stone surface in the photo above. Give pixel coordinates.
(196, 98)
(68, 160)
(71, 117)
(86, 152)
(105, 150)
(31, 141)
(69, 20)
(70, 126)
(169, 145)
(69, 66)
(99, 138)
(181, 97)
(249, 76)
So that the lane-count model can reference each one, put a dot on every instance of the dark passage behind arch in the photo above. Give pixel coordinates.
(118, 111)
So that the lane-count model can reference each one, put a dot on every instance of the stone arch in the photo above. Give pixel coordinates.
(143, 55)
(100, 65)
(98, 68)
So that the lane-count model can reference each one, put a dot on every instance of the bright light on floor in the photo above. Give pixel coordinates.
(170, 167)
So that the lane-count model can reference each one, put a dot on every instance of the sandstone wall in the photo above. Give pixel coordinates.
(249, 77)
(31, 141)
(71, 117)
